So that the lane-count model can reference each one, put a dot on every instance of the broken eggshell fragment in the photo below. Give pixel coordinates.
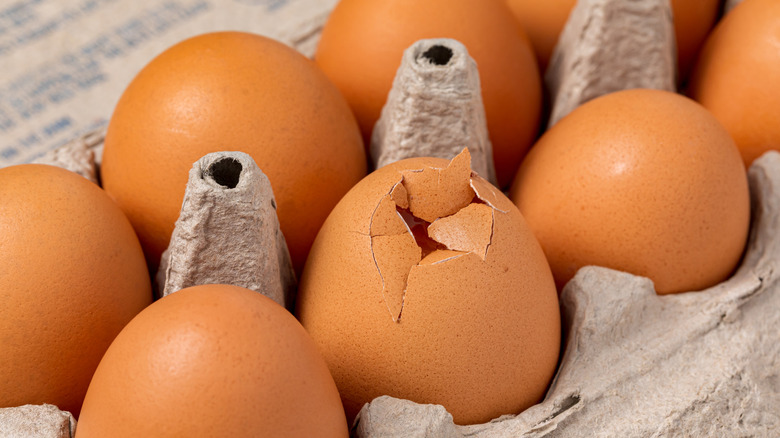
(228, 232)
(639, 364)
(434, 109)
(426, 283)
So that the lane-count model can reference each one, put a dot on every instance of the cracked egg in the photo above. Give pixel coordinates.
(426, 283)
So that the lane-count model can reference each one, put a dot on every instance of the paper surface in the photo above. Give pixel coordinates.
(65, 63)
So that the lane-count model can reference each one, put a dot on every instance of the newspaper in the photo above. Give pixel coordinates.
(64, 63)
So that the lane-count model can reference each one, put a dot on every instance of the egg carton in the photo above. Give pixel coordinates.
(635, 363)
(434, 109)
(703, 363)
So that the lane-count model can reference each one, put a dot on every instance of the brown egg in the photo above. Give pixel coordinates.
(693, 20)
(212, 361)
(425, 283)
(72, 274)
(544, 21)
(363, 41)
(736, 77)
(643, 181)
(231, 91)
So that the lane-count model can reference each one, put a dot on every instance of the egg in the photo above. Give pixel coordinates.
(642, 181)
(231, 91)
(425, 283)
(693, 21)
(72, 274)
(217, 361)
(736, 77)
(544, 21)
(363, 41)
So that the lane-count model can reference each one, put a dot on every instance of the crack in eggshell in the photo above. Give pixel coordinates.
(395, 256)
(483, 193)
(400, 195)
(435, 193)
(386, 220)
(430, 216)
(468, 230)
(440, 256)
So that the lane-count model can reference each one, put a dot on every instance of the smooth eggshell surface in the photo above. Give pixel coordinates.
(642, 181)
(363, 42)
(231, 91)
(543, 21)
(693, 21)
(477, 331)
(212, 361)
(736, 77)
(72, 274)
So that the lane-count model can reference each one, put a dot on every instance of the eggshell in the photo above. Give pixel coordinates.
(231, 91)
(544, 21)
(736, 77)
(212, 361)
(643, 181)
(72, 275)
(363, 42)
(693, 21)
(450, 319)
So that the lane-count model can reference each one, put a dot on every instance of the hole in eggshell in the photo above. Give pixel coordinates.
(419, 229)
(438, 55)
(225, 172)
(429, 212)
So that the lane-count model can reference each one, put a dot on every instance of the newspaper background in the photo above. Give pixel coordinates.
(64, 63)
